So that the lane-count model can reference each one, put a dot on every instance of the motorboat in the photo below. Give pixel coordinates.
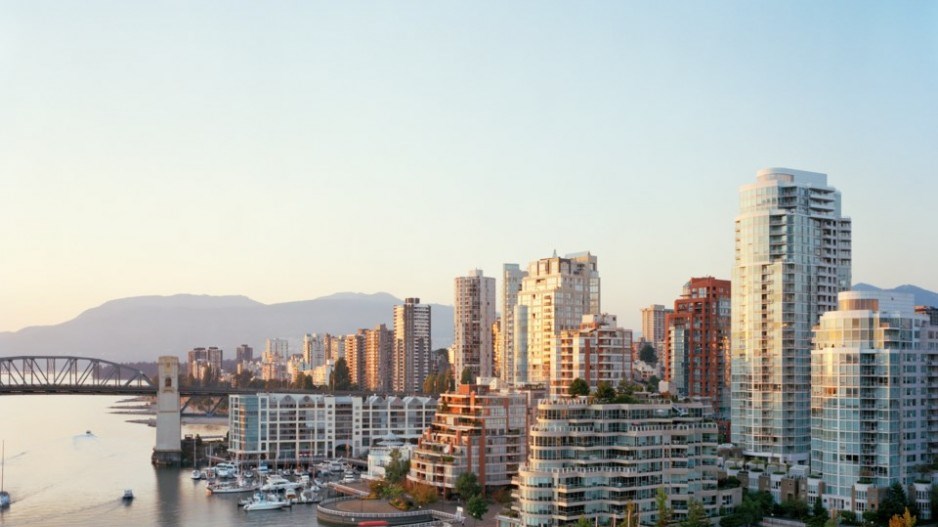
(128, 495)
(265, 501)
(229, 487)
(4, 495)
(197, 475)
(276, 482)
(226, 470)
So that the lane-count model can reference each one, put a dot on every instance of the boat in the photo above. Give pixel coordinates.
(226, 470)
(229, 487)
(265, 501)
(128, 495)
(275, 482)
(4, 495)
(197, 475)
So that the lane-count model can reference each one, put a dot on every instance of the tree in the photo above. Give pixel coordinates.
(906, 520)
(653, 383)
(696, 515)
(933, 499)
(648, 354)
(341, 378)
(664, 512)
(476, 507)
(605, 393)
(583, 522)
(631, 515)
(467, 485)
(396, 469)
(578, 387)
(894, 504)
(423, 494)
(466, 376)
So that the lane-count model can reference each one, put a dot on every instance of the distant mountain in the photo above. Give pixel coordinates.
(143, 328)
(923, 297)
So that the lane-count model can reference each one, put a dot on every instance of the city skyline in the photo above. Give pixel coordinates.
(210, 150)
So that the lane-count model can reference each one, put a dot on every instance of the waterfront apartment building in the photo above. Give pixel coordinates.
(509, 361)
(696, 352)
(554, 296)
(473, 316)
(598, 351)
(295, 428)
(870, 397)
(205, 363)
(591, 461)
(412, 348)
(474, 430)
(379, 345)
(792, 258)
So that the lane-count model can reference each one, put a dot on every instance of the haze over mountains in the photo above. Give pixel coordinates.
(143, 328)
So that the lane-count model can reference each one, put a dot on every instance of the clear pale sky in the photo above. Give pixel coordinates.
(289, 150)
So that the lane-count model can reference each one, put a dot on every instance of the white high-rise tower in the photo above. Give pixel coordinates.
(554, 296)
(792, 259)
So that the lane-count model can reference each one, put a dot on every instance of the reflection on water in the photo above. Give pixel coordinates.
(60, 475)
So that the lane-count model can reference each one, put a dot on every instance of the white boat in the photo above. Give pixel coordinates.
(226, 470)
(230, 487)
(197, 474)
(276, 482)
(4, 495)
(266, 501)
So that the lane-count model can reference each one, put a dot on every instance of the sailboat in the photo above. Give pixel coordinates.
(4, 495)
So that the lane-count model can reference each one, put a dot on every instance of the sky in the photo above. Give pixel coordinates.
(290, 150)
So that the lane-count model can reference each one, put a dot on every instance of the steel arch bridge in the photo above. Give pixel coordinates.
(65, 374)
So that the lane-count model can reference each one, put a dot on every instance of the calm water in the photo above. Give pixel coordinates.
(59, 476)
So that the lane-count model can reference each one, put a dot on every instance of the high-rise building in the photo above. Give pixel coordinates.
(554, 296)
(473, 316)
(244, 353)
(411, 360)
(869, 411)
(654, 326)
(205, 363)
(314, 350)
(512, 275)
(792, 259)
(696, 351)
(274, 360)
(598, 351)
(355, 357)
(379, 345)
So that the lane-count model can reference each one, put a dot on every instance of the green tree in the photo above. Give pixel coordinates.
(696, 515)
(664, 512)
(647, 354)
(578, 387)
(466, 376)
(341, 378)
(467, 485)
(476, 507)
(396, 469)
(605, 393)
(653, 383)
(894, 504)
(583, 522)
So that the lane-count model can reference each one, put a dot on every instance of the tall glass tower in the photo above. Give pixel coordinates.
(792, 259)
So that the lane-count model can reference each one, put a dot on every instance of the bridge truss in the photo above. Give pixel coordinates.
(64, 374)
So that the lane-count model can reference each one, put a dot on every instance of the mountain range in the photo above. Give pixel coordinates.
(146, 327)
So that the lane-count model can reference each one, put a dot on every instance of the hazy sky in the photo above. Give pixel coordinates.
(289, 150)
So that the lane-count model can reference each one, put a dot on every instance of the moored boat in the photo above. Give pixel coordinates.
(264, 501)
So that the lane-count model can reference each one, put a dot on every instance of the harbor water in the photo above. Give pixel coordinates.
(58, 474)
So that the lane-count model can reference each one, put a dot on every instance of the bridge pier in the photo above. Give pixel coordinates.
(168, 449)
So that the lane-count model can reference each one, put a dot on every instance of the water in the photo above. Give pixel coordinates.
(60, 476)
